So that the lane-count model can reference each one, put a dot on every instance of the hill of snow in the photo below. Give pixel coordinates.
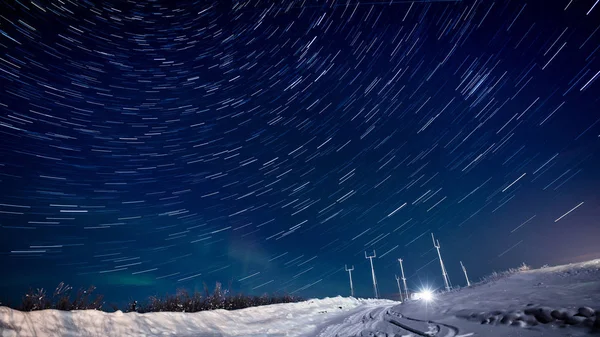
(556, 301)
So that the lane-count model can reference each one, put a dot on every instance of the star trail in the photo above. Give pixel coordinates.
(150, 145)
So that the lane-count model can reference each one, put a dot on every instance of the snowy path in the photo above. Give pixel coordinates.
(553, 302)
(385, 321)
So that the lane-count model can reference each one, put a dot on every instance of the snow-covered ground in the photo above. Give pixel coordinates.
(556, 301)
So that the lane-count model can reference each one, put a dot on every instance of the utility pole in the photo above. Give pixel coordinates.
(436, 244)
(399, 289)
(373, 272)
(350, 273)
(465, 271)
(403, 280)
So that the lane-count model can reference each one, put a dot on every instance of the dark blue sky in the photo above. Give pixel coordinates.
(152, 145)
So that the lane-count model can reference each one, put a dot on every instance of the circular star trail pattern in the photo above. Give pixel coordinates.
(151, 145)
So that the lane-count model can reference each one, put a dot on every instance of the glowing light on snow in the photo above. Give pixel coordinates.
(425, 295)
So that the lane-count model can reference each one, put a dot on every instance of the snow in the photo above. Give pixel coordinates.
(556, 301)
(291, 319)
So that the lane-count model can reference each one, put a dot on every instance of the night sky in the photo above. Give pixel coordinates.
(148, 145)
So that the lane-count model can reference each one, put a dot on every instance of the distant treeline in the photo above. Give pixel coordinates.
(63, 298)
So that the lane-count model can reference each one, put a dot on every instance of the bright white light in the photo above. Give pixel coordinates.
(425, 295)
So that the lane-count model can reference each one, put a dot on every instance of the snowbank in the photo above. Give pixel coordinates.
(290, 319)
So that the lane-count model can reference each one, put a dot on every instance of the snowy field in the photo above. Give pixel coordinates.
(556, 301)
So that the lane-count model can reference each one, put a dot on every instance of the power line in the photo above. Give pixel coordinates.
(350, 273)
(373, 272)
(436, 244)
(404, 281)
(465, 271)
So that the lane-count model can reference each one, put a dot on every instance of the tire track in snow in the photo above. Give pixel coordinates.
(362, 319)
(383, 321)
(435, 328)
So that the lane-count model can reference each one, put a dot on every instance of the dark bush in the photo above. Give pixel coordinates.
(181, 301)
(61, 299)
